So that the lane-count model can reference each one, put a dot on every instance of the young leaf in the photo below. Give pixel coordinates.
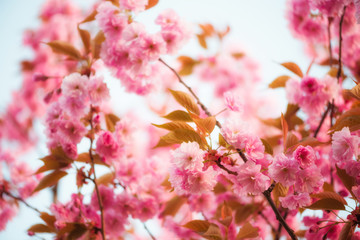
(346, 179)
(291, 140)
(106, 179)
(198, 226)
(151, 3)
(96, 44)
(48, 219)
(327, 204)
(243, 212)
(268, 147)
(50, 180)
(183, 135)
(247, 231)
(85, 158)
(202, 40)
(293, 67)
(330, 195)
(279, 82)
(174, 125)
(65, 48)
(40, 228)
(173, 206)
(111, 120)
(186, 101)
(284, 126)
(351, 121)
(85, 38)
(187, 65)
(178, 115)
(206, 125)
(90, 18)
(346, 231)
(213, 233)
(222, 141)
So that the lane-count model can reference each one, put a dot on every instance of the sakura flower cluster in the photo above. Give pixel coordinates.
(130, 51)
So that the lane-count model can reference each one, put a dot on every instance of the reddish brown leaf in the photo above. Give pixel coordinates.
(151, 3)
(178, 115)
(327, 204)
(186, 101)
(247, 231)
(279, 82)
(40, 228)
(65, 48)
(198, 226)
(293, 67)
(173, 206)
(50, 180)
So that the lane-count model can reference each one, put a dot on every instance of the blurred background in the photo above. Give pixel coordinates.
(259, 26)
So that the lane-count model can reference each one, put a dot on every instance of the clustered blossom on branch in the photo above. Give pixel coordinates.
(237, 174)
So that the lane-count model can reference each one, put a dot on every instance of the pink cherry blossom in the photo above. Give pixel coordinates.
(295, 201)
(344, 145)
(305, 156)
(284, 170)
(188, 156)
(107, 147)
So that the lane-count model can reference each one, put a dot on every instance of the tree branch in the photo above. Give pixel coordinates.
(21, 200)
(101, 207)
(322, 120)
(148, 231)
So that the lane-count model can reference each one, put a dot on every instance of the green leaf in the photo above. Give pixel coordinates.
(327, 204)
(279, 82)
(50, 180)
(178, 115)
(65, 48)
(247, 231)
(186, 101)
(293, 67)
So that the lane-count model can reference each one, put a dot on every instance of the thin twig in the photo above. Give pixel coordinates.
(22, 200)
(329, 36)
(148, 231)
(101, 207)
(266, 193)
(278, 232)
(340, 44)
(203, 107)
(267, 221)
(322, 120)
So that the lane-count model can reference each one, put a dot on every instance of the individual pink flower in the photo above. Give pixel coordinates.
(168, 19)
(284, 170)
(233, 102)
(305, 156)
(192, 182)
(70, 131)
(110, 20)
(114, 223)
(235, 132)
(309, 180)
(344, 145)
(249, 179)
(357, 6)
(133, 32)
(293, 202)
(7, 212)
(107, 197)
(134, 5)
(98, 90)
(75, 85)
(254, 147)
(188, 156)
(152, 46)
(107, 147)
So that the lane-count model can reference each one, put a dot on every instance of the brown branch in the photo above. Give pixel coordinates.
(267, 221)
(266, 193)
(101, 207)
(148, 231)
(340, 44)
(278, 232)
(21, 200)
(329, 36)
(203, 107)
(322, 120)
